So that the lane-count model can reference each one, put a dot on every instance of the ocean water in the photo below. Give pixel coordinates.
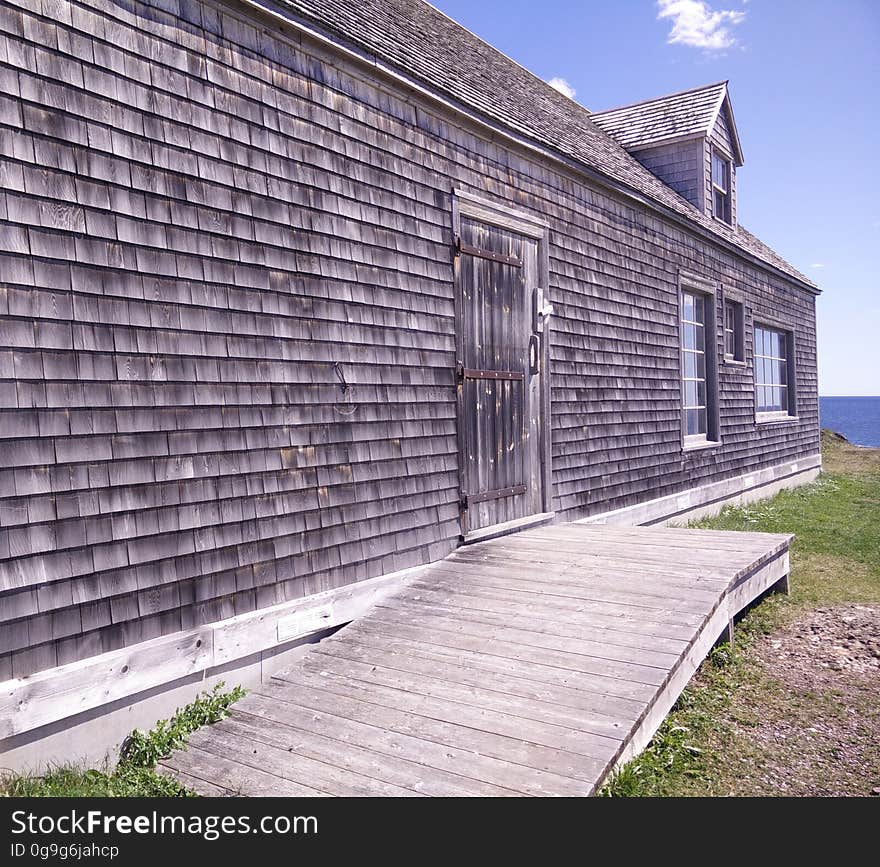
(857, 418)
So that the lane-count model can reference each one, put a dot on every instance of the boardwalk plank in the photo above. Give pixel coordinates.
(607, 715)
(444, 684)
(591, 615)
(651, 657)
(218, 768)
(572, 578)
(563, 662)
(526, 670)
(533, 591)
(571, 624)
(549, 768)
(524, 665)
(233, 739)
(553, 727)
(383, 767)
(439, 766)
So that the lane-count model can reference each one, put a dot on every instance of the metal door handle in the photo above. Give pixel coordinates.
(534, 354)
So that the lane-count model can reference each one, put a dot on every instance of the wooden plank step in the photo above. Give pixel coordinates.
(405, 612)
(589, 750)
(382, 768)
(527, 671)
(554, 724)
(438, 767)
(247, 748)
(611, 680)
(205, 762)
(550, 769)
(577, 577)
(532, 592)
(492, 599)
(604, 709)
(571, 624)
(586, 569)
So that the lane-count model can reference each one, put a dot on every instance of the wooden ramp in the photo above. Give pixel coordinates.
(525, 665)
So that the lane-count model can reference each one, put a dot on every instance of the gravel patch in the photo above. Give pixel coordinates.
(819, 733)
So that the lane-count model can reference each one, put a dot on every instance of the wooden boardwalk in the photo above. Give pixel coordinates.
(525, 665)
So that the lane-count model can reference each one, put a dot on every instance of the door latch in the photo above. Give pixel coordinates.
(541, 312)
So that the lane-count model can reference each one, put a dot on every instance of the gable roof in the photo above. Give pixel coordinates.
(415, 41)
(685, 114)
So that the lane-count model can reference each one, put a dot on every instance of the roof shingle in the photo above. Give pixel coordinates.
(444, 57)
(654, 121)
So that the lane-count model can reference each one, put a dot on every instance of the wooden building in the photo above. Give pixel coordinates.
(299, 294)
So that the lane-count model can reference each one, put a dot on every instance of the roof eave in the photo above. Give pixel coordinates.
(511, 133)
(724, 104)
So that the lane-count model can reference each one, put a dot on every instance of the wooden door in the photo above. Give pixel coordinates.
(498, 375)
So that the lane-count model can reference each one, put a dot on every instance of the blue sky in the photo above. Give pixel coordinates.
(804, 80)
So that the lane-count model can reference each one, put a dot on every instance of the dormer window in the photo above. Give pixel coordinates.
(689, 140)
(721, 187)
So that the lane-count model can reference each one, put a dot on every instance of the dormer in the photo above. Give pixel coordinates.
(689, 140)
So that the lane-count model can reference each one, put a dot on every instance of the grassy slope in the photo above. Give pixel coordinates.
(700, 749)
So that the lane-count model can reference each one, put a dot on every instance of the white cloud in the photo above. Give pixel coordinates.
(696, 24)
(818, 265)
(562, 86)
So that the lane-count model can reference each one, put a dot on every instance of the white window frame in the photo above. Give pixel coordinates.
(736, 305)
(691, 285)
(726, 193)
(789, 412)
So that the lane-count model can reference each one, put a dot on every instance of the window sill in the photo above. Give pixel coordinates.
(700, 445)
(733, 362)
(775, 418)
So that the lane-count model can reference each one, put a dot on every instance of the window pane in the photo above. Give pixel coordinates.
(719, 171)
(687, 306)
(688, 336)
(695, 422)
(695, 308)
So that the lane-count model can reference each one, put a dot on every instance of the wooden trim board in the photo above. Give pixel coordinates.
(709, 499)
(48, 696)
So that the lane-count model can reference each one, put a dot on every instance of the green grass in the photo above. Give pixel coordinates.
(835, 560)
(135, 773)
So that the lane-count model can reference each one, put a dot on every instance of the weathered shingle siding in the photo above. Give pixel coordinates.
(190, 241)
(679, 165)
(720, 139)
